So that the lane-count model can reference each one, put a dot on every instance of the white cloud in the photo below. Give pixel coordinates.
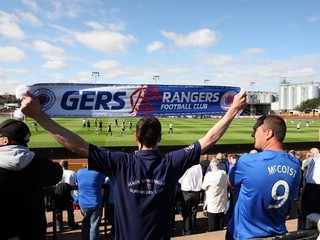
(104, 37)
(177, 70)
(293, 25)
(60, 9)
(69, 8)
(115, 10)
(55, 65)
(117, 27)
(8, 79)
(252, 51)
(267, 75)
(9, 28)
(48, 50)
(106, 64)
(19, 71)
(31, 3)
(219, 60)
(65, 39)
(202, 38)
(312, 19)
(105, 41)
(30, 18)
(95, 25)
(11, 54)
(297, 73)
(155, 46)
(125, 73)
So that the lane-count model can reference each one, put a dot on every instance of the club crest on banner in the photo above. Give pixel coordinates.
(227, 99)
(142, 98)
(46, 97)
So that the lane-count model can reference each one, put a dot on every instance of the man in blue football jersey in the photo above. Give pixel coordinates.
(268, 182)
(145, 182)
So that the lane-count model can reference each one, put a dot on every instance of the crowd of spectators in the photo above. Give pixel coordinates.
(263, 184)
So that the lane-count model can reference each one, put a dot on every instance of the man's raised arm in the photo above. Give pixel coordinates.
(30, 106)
(217, 131)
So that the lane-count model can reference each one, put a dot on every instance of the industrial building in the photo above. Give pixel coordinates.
(260, 103)
(286, 100)
(291, 95)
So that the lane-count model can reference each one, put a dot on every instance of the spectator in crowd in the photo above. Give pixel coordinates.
(90, 201)
(308, 157)
(310, 197)
(233, 191)
(23, 177)
(191, 182)
(298, 155)
(292, 152)
(232, 159)
(204, 164)
(215, 185)
(268, 181)
(223, 165)
(110, 204)
(223, 162)
(145, 182)
(68, 178)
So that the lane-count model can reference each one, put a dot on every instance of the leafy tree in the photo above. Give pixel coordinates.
(309, 104)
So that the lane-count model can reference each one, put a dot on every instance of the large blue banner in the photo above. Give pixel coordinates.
(124, 100)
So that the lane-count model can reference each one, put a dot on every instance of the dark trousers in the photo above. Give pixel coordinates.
(190, 202)
(310, 201)
(215, 221)
(69, 209)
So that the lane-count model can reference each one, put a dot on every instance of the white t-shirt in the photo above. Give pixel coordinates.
(192, 179)
(69, 177)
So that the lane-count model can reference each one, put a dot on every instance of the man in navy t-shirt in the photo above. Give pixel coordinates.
(145, 182)
(268, 182)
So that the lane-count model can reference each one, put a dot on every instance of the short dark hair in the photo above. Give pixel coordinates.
(64, 164)
(148, 131)
(275, 123)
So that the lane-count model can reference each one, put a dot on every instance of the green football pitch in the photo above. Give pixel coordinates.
(185, 131)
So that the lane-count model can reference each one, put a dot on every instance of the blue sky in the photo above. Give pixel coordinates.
(246, 43)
